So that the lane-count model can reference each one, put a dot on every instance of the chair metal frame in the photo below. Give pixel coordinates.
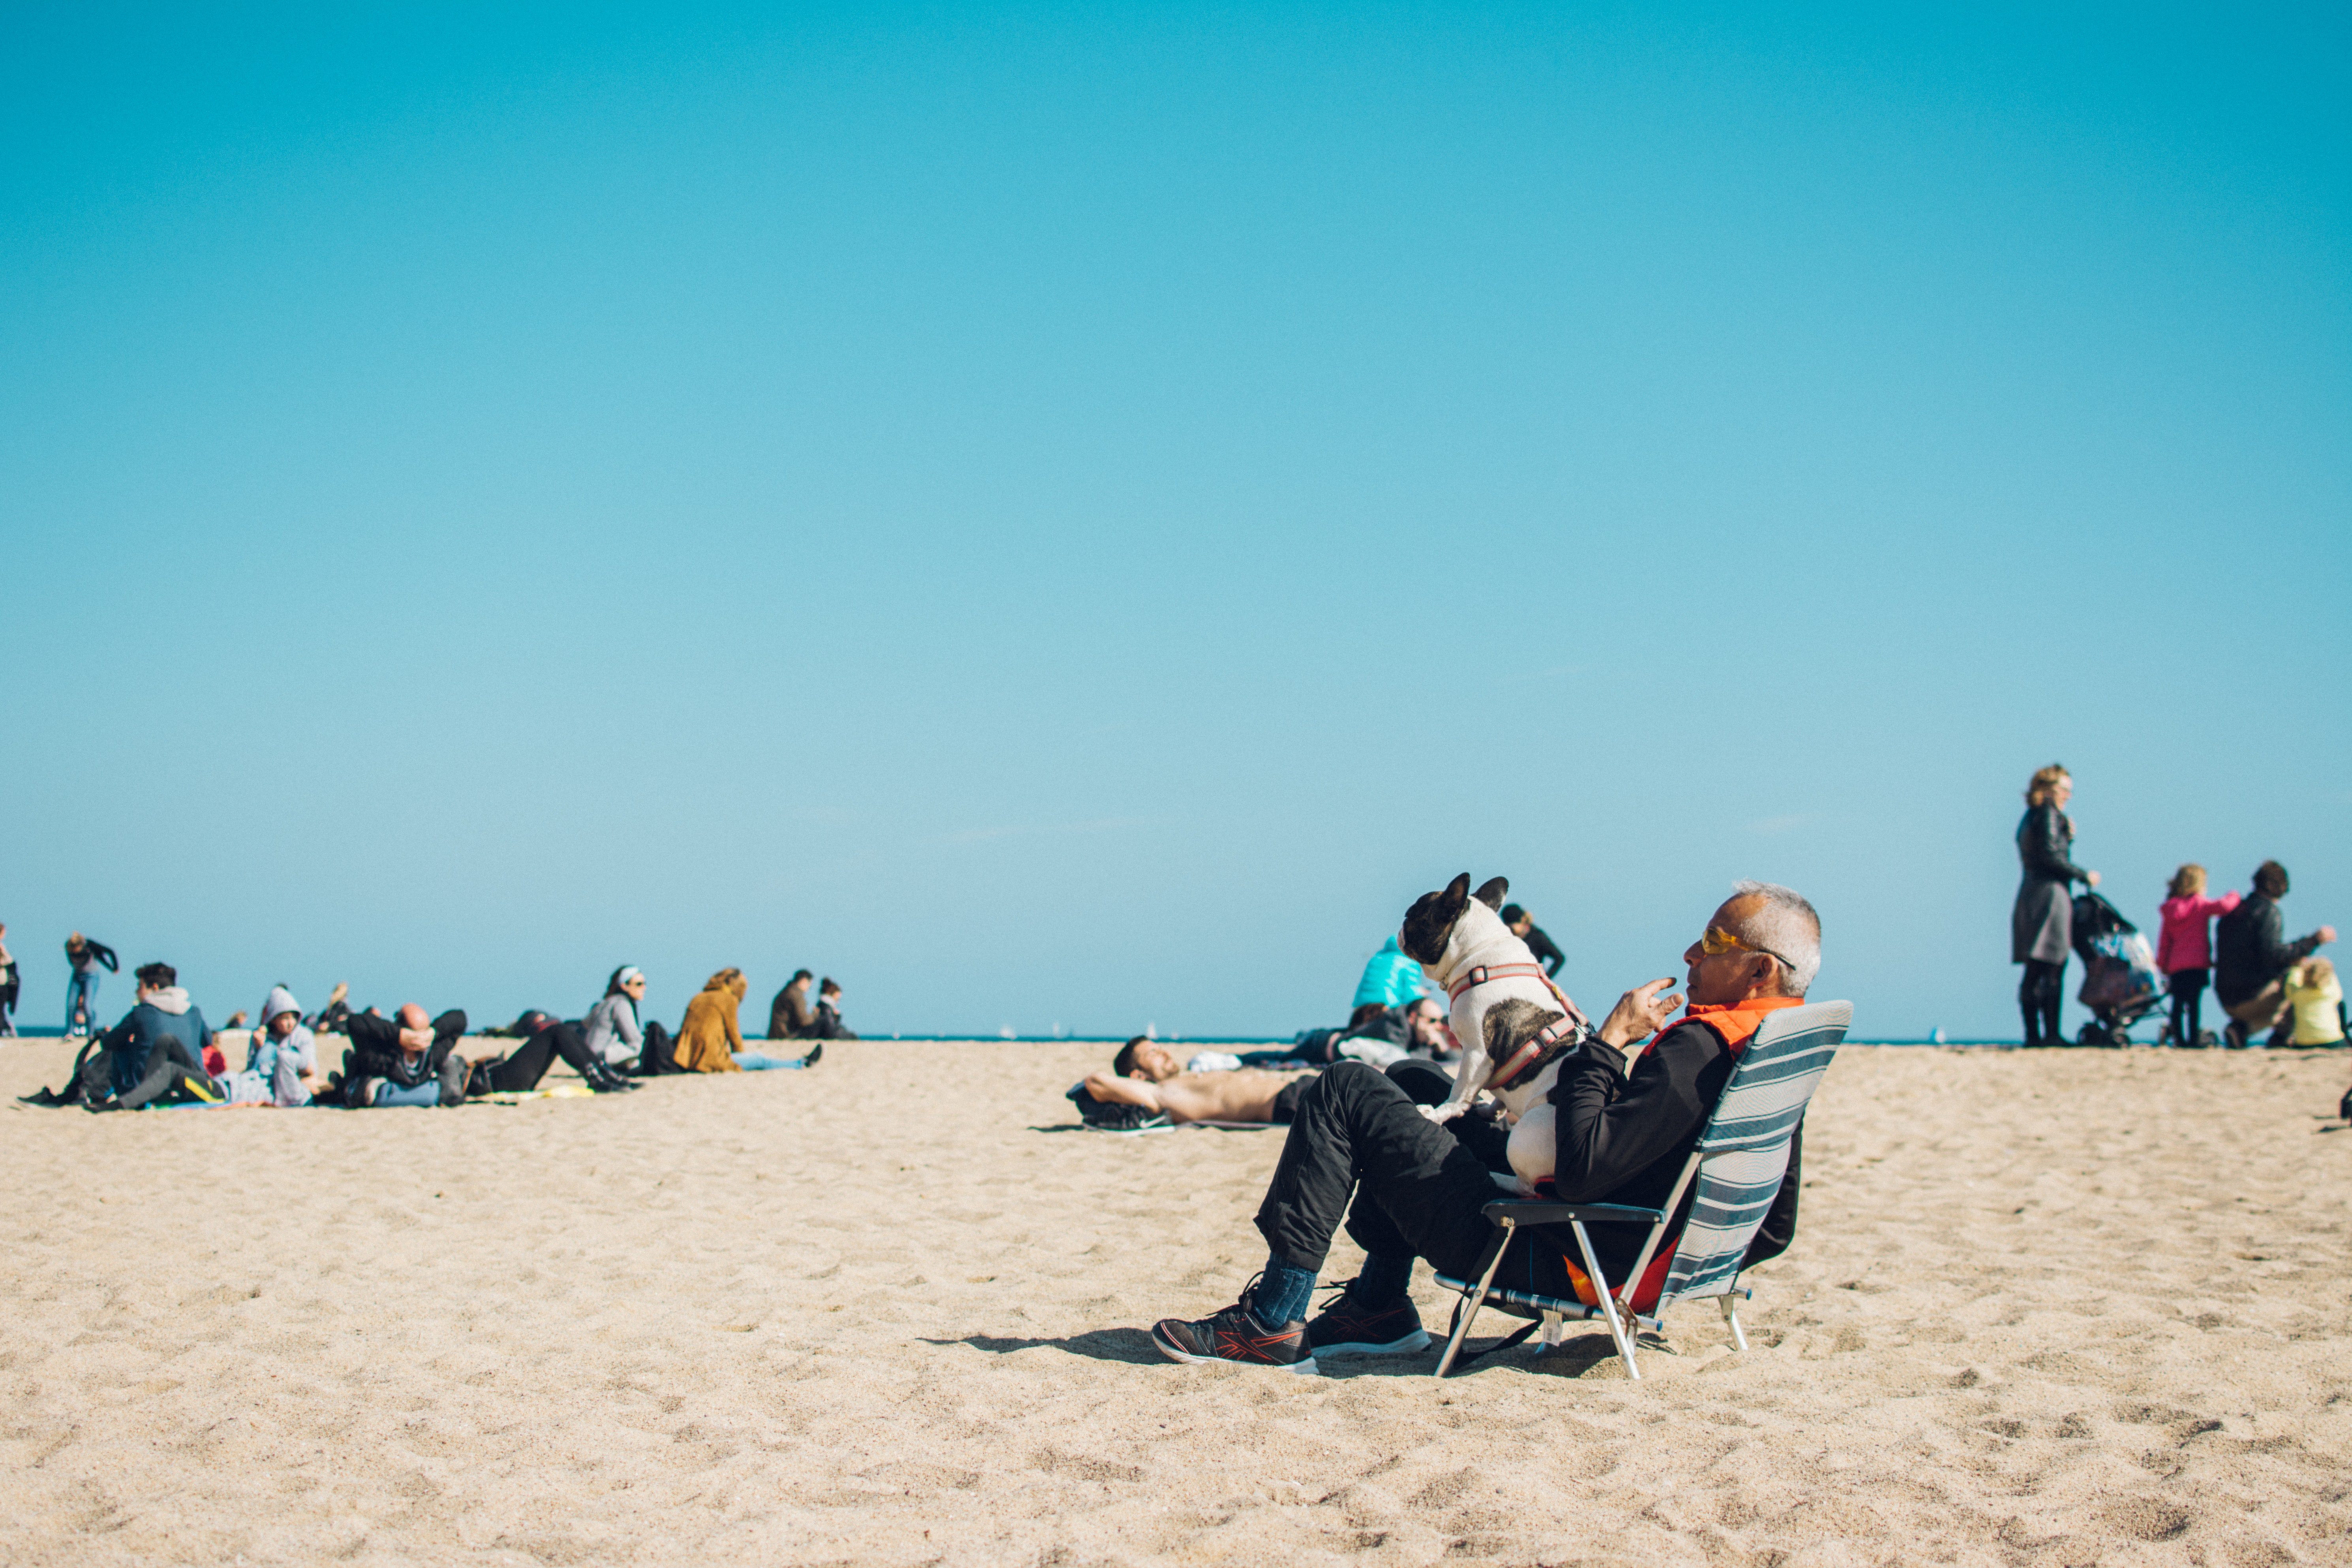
(1737, 1128)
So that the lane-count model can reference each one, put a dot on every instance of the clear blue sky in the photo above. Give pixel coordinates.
(1078, 516)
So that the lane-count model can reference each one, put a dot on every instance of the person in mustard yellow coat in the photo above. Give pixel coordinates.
(708, 1040)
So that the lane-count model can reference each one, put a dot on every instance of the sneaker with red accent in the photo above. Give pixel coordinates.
(1233, 1335)
(1347, 1327)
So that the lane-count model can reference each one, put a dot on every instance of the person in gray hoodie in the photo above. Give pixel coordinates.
(281, 1058)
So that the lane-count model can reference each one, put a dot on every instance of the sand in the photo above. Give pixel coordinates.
(2044, 1308)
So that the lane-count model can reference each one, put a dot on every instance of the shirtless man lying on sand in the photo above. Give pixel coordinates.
(1146, 1073)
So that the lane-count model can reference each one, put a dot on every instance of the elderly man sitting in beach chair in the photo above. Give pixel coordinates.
(1146, 1073)
(1627, 1117)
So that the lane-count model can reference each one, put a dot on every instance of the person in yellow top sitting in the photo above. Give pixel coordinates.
(2317, 998)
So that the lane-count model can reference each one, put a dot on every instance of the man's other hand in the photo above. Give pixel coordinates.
(1640, 1014)
(2326, 935)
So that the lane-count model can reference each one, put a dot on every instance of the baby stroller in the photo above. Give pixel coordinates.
(2120, 985)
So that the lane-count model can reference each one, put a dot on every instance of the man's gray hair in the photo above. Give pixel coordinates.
(1787, 926)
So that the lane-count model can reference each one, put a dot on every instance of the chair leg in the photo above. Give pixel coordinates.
(1731, 1316)
(1472, 1301)
(1617, 1328)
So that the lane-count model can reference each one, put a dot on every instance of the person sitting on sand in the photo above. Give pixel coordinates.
(157, 1052)
(1628, 1118)
(790, 1015)
(281, 1061)
(407, 1059)
(710, 1037)
(612, 1030)
(2317, 998)
(1146, 1073)
(828, 1025)
(1374, 1034)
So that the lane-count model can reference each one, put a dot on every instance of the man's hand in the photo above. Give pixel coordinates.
(415, 1040)
(2092, 878)
(1113, 1090)
(2326, 935)
(1640, 1014)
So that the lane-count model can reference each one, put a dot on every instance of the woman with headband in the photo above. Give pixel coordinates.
(613, 1035)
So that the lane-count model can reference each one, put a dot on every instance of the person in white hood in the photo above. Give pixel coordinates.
(281, 1059)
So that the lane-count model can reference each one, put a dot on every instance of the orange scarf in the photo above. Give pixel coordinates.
(1736, 1023)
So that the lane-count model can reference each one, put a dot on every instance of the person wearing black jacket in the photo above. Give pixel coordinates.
(401, 1061)
(86, 958)
(1627, 1120)
(1523, 926)
(2252, 957)
(2041, 922)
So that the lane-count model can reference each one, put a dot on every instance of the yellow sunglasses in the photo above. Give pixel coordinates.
(1718, 942)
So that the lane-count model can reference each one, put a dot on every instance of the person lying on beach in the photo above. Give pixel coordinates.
(520, 1070)
(406, 1060)
(1379, 1035)
(281, 1061)
(330, 1019)
(1627, 1119)
(1146, 1073)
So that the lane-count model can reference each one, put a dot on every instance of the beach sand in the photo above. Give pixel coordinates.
(2066, 1307)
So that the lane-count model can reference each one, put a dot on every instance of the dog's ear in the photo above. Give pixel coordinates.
(1431, 921)
(1491, 895)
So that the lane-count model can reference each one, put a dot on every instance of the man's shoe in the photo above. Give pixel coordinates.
(2234, 1037)
(1348, 1328)
(1232, 1335)
(815, 1055)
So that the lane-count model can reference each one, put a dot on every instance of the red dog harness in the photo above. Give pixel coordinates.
(1543, 1040)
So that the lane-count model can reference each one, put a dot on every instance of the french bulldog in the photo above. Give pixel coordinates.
(1513, 1023)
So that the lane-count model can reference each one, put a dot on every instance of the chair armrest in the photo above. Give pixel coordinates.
(1531, 1211)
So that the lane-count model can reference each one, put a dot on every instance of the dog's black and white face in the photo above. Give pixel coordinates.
(1430, 924)
(1454, 934)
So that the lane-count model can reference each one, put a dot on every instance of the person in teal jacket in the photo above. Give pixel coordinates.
(1390, 979)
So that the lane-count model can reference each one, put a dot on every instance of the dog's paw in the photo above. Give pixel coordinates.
(1441, 1114)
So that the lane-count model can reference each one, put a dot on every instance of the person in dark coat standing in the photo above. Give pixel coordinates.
(2041, 922)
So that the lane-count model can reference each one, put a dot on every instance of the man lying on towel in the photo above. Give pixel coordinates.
(1627, 1119)
(1146, 1073)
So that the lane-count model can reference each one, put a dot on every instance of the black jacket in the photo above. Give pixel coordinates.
(1547, 952)
(2045, 836)
(375, 1050)
(97, 952)
(1625, 1139)
(2250, 950)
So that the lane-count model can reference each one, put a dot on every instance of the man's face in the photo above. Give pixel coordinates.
(1523, 925)
(1722, 978)
(1428, 1025)
(1154, 1063)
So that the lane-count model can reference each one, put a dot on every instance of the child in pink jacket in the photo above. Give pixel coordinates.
(2185, 949)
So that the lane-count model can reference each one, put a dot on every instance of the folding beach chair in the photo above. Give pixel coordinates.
(1739, 1165)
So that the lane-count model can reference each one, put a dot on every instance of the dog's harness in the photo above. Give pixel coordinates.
(1571, 1027)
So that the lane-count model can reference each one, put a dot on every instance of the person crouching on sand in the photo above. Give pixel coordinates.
(1628, 1117)
(281, 1061)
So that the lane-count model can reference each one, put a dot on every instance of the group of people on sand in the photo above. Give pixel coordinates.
(163, 1052)
(2236, 944)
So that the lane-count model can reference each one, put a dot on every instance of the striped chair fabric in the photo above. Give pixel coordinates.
(1744, 1153)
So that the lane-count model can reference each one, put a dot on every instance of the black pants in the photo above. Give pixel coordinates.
(2188, 988)
(522, 1070)
(1359, 1147)
(2039, 997)
(169, 1065)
